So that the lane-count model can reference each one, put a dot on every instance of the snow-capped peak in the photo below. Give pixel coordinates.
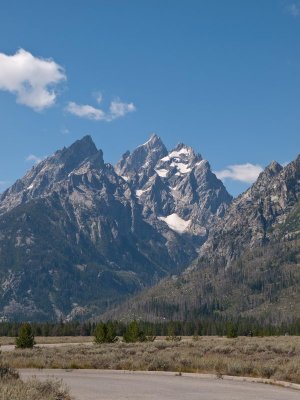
(153, 138)
(178, 161)
(143, 157)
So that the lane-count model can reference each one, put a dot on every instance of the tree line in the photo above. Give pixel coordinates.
(208, 326)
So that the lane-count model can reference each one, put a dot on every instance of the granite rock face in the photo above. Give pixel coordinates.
(257, 216)
(78, 235)
(177, 188)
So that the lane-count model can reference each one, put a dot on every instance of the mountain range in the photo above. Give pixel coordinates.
(156, 236)
(249, 265)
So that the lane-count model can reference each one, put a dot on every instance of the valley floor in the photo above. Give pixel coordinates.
(267, 357)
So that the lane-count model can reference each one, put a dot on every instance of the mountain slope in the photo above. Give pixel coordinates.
(250, 264)
(263, 283)
(73, 230)
(76, 237)
(255, 217)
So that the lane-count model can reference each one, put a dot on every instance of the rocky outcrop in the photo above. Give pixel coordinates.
(255, 217)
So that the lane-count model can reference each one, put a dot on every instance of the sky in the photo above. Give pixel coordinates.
(220, 76)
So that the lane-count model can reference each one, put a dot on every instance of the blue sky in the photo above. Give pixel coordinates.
(221, 76)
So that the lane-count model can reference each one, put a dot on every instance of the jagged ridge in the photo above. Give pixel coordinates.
(75, 236)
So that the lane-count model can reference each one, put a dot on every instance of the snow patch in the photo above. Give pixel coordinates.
(162, 172)
(184, 151)
(175, 222)
(30, 187)
(145, 144)
(176, 154)
(183, 168)
(148, 141)
(200, 163)
(138, 193)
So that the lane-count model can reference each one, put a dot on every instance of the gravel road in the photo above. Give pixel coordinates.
(121, 385)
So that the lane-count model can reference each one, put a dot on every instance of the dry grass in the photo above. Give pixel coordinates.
(50, 339)
(13, 388)
(270, 357)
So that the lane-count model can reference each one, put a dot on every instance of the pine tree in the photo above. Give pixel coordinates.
(25, 339)
(133, 333)
(232, 331)
(105, 333)
(172, 333)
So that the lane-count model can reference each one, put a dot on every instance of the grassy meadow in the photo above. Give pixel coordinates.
(268, 357)
(6, 340)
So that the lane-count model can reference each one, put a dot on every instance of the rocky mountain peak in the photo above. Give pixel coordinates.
(84, 144)
(182, 148)
(44, 177)
(73, 222)
(75, 154)
(179, 161)
(273, 169)
(177, 187)
(144, 157)
(153, 141)
(274, 166)
(257, 215)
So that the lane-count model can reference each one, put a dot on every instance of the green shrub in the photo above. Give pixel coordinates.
(105, 333)
(172, 336)
(25, 339)
(133, 333)
(232, 331)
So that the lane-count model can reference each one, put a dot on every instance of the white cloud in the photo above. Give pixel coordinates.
(294, 9)
(30, 78)
(86, 111)
(117, 109)
(98, 97)
(33, 158)
(247, 173)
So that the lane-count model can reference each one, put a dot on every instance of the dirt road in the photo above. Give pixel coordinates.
(121, 385)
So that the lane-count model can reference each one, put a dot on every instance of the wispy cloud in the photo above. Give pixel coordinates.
(294, 9)
(30, 78)
(117, 109)
(247, 173)
(65, 131)
(99, 97)
(33, 158)
(85, 111)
